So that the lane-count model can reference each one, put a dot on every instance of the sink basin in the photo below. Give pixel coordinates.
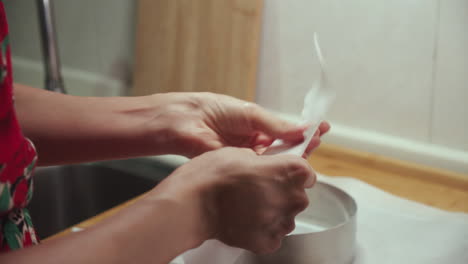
(66, 195)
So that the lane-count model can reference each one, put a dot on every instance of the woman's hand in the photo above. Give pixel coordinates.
(193, 123)
(188, 124)
(243, 199)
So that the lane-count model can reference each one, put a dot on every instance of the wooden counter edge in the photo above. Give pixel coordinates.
(369, 160)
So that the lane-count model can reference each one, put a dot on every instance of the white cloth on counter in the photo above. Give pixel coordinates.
(389, 230)
(395, 230)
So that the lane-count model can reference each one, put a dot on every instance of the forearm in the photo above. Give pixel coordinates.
(71, 129)
(149, 231)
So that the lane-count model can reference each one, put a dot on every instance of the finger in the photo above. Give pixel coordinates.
(287, 225)
(261, 139)
(324, 127)
(261, 142)
(311, 180)
(297, 170)
(298, 202)
(314, 143)
(302, 173)
(197, 147)
(273, 126)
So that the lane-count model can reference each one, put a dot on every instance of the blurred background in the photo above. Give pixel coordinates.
(399, 68)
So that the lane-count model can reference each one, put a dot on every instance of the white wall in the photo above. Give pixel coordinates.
(95, 38)
(450, 101)
(400, 69)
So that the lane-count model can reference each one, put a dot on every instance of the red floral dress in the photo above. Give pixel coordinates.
(17, 160)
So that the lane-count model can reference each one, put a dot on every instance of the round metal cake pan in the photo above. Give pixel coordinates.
(325, 232)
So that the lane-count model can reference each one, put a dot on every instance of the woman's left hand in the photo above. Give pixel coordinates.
(193, 123)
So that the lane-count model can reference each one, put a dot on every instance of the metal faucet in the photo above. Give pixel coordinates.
(50, 52)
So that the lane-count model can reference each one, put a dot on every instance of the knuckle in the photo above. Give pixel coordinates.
(299, 166)
(289, 225)
(253, 113)
(251, 107)
(301, 203)
(298, 170)
(268, 217)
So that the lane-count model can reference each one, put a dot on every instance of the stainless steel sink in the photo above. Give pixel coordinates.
(66, 195)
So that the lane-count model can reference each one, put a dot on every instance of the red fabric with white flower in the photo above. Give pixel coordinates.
(17, 160)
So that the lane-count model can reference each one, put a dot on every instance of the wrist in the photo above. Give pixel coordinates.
(171, 118)
(197, 195)
(188, 208)
(158, 227)
(158, 136)
(150, 132)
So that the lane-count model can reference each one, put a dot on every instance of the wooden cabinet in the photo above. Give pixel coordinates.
(197, 45)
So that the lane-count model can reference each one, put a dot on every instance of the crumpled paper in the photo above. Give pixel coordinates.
(395, 230)
(316, 104)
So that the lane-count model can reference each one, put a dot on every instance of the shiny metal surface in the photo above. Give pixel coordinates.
(66, 195)
(332, 213)
(50, 52)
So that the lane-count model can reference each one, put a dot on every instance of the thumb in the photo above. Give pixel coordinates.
(275, 127)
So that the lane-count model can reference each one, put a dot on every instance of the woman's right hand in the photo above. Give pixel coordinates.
(241, 198)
